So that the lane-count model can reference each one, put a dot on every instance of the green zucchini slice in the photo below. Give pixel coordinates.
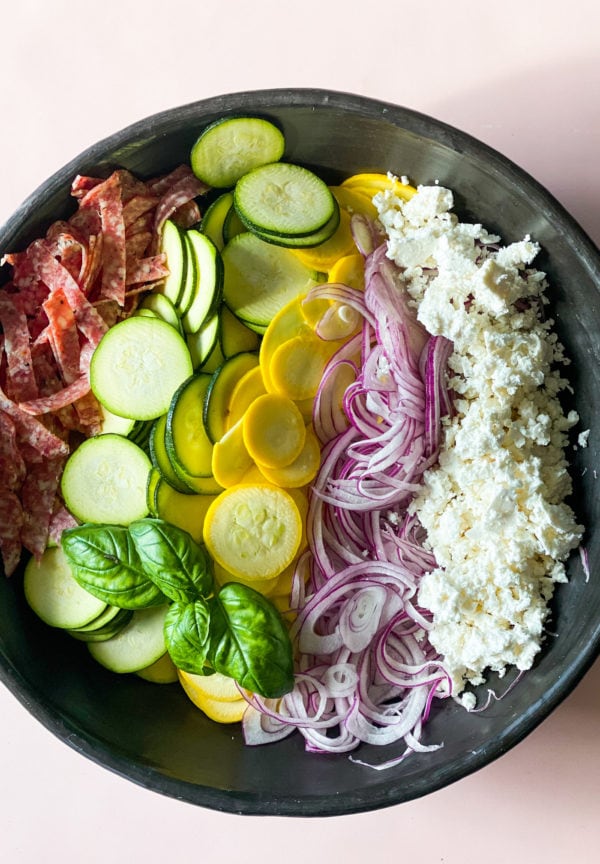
(137, 366)
(232, 146)
(283, 200)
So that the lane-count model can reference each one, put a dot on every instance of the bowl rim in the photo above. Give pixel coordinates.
(395, 792)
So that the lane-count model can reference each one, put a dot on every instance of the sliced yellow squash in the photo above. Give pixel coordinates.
(253, 531)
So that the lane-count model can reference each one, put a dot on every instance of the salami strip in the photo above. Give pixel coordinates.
(20, 378)
(71, 252)
(182, 192)
(11, 525)
(187, 215)
(12, 466)
(81, 185)
(113, 240)
(64, 337)
(55, 276)
(32, 431)
(38, 496)
(60, 521)
(162, 184)
(67, 396)
(93, 263)
(136, 207)
(137, 244)
(148, 270)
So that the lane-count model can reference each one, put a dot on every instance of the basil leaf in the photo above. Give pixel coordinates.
(187, 635)
(250, 642)
(105, 562)
(172, 559)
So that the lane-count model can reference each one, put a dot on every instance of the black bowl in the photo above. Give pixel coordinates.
(153, 735)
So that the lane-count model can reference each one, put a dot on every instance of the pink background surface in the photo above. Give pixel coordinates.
(523, 77)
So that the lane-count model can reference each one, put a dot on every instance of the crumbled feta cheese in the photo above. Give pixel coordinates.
(493, 507)
(583, 438)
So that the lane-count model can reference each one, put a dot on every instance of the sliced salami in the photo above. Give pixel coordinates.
(32, 431)
(12, 466)
(182, 192)
(136, 207)
(38, 496)
(55, 276)
(160, 185)
(11, 525)
(148, 269)
(20, 378)
(60, 521)
(113, 240)
(64, 338)
(67, 396)
(187, 215)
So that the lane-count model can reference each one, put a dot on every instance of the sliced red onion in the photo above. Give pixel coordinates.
(366, 671)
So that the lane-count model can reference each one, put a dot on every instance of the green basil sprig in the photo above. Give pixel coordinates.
(172, 559)
(105, 562)
(249, 641)
(236, 632)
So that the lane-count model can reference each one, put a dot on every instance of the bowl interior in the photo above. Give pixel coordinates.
(152, 734)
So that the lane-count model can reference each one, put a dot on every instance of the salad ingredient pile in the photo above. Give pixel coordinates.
(300, 446)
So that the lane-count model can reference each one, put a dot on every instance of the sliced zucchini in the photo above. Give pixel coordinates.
(160, 458)
(214, 219)
(108, 631)
(160, 305)
(235, 336)
(109, 615)
(282, 199)
(115, 424)
(208, 284)
(305, 241)
(137, 366)
(214, 359)
(232, 146)
(137, 645)
(190, 285)
(261, 278)
(172, 244)
(219, 390)
(185, 511)
(201, 343)
(162, 671)
(233, 225)
(105, 479)
(55, 595)
(187, 443)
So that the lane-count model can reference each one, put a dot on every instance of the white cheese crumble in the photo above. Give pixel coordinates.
(493, 507)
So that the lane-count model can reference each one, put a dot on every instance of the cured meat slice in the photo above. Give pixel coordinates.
(55, 276)
(12, 465)
(113, 240)
(136, 207)
(184, 190)
(38, 495)
(61, 520)
(20, 380)
(11, 524)
(64, 338)
(67, 396)
(148, 269)
(30, 430)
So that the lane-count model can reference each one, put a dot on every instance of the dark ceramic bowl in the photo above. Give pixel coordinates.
(153, 735)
